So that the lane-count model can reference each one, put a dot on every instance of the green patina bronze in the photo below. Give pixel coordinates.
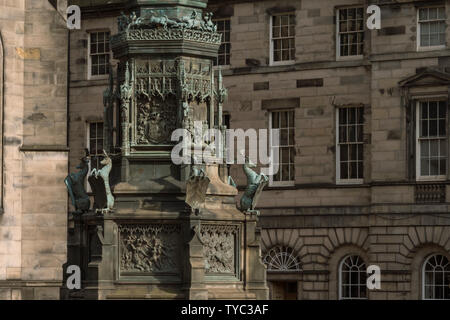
(255, 185)
(75, 183)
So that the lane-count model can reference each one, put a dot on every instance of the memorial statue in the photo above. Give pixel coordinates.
(99, 181)
(255, 185)
(75, 186)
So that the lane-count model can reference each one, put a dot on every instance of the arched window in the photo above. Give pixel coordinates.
(436, 278)
(352, 278)
(281, 258)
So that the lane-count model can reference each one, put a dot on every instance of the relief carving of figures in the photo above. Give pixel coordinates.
(156, 120)
(193, 21)
(168, 34)
(149, 248)
(219, 247)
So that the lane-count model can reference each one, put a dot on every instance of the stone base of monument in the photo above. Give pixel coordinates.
(154, 246)
(165, 230)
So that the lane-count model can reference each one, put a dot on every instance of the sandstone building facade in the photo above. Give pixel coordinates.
(34, 152)
(364, 135)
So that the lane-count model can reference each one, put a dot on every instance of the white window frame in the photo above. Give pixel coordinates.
(423, 275)
(428, 48)
(419, 177)
(223, 66)
(89, 59)
(272, 183)
(285, 62)
(341, 263)
(338, 39)
(338, 157)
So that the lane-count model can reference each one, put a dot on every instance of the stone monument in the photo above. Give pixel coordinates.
(175, 231)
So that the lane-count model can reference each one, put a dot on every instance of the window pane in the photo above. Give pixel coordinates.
(275, 32)
(352, 133)
(432, 13)
(443, 167)
(423, 14)
(344, 153)
(443, 147)
(424, 149)
(342, 133)
(276, 20)
(284, 121)
(283, 137)
(353, 170)
(434, 167)
(434, 148)
(432, 128)
(285, 172)
(275, 120)
(360, 170)
(353, 151)
(344, 170)
(424, 167)
(284, 155)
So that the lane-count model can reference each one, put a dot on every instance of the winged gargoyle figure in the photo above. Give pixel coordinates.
(99, 181)
(255, 185)
(75, 185)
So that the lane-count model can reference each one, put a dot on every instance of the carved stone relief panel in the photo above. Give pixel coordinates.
(219, 248)
(156, 120)
(149, 248)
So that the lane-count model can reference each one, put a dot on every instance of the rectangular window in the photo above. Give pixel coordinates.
(224, 28)
(431, 131)
(95, 143)
(282, 37)
(284, 121)
(431, 27)
(350, 32)
(98, 54)
(349, 151)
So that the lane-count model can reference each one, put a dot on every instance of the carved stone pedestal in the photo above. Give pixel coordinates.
(174, 231)
(170, 253)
